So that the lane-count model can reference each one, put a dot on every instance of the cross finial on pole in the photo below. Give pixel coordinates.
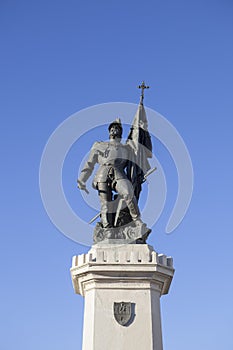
(142, 87)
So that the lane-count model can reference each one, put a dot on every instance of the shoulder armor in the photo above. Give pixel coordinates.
(99, 145)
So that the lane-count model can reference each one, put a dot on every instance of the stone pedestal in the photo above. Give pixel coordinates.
(122, 285)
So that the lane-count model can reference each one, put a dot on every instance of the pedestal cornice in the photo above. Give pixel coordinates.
(122, 266)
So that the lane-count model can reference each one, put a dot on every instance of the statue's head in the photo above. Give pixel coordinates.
(115, 129)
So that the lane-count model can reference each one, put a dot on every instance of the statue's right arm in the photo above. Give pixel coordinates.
(88, 167)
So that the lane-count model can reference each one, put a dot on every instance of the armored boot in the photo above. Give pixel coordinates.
(133, 209)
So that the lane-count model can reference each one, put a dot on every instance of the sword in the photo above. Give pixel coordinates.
(94, 218)
(148, 174)
(118, 211)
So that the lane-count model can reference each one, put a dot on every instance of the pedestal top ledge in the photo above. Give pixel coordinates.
(127, 261)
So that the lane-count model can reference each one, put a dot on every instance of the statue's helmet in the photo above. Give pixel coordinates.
(117, 123)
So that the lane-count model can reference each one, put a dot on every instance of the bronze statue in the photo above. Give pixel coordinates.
(113, 158)
(122, 170)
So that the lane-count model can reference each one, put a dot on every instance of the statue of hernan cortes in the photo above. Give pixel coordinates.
(122, 170)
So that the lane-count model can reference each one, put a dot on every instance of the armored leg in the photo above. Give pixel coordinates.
(133, 208)
(125, 190)
(105, 196)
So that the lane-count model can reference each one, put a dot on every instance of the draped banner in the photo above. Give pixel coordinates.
(140, 141)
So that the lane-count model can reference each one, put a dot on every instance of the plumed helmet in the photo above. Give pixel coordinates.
(116, 122)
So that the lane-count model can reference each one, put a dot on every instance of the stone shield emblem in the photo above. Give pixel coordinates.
(122, 312)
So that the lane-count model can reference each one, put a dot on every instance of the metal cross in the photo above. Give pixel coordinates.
(142, 87)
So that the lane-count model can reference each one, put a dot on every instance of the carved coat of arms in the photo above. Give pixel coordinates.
(122, 312)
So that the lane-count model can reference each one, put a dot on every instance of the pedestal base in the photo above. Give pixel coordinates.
(122, 285)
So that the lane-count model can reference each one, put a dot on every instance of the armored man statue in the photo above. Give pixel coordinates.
(122, 170)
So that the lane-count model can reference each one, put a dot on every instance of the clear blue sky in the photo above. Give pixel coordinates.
(58, 57)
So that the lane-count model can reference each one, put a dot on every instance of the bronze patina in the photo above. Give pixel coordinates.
(122, 170)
